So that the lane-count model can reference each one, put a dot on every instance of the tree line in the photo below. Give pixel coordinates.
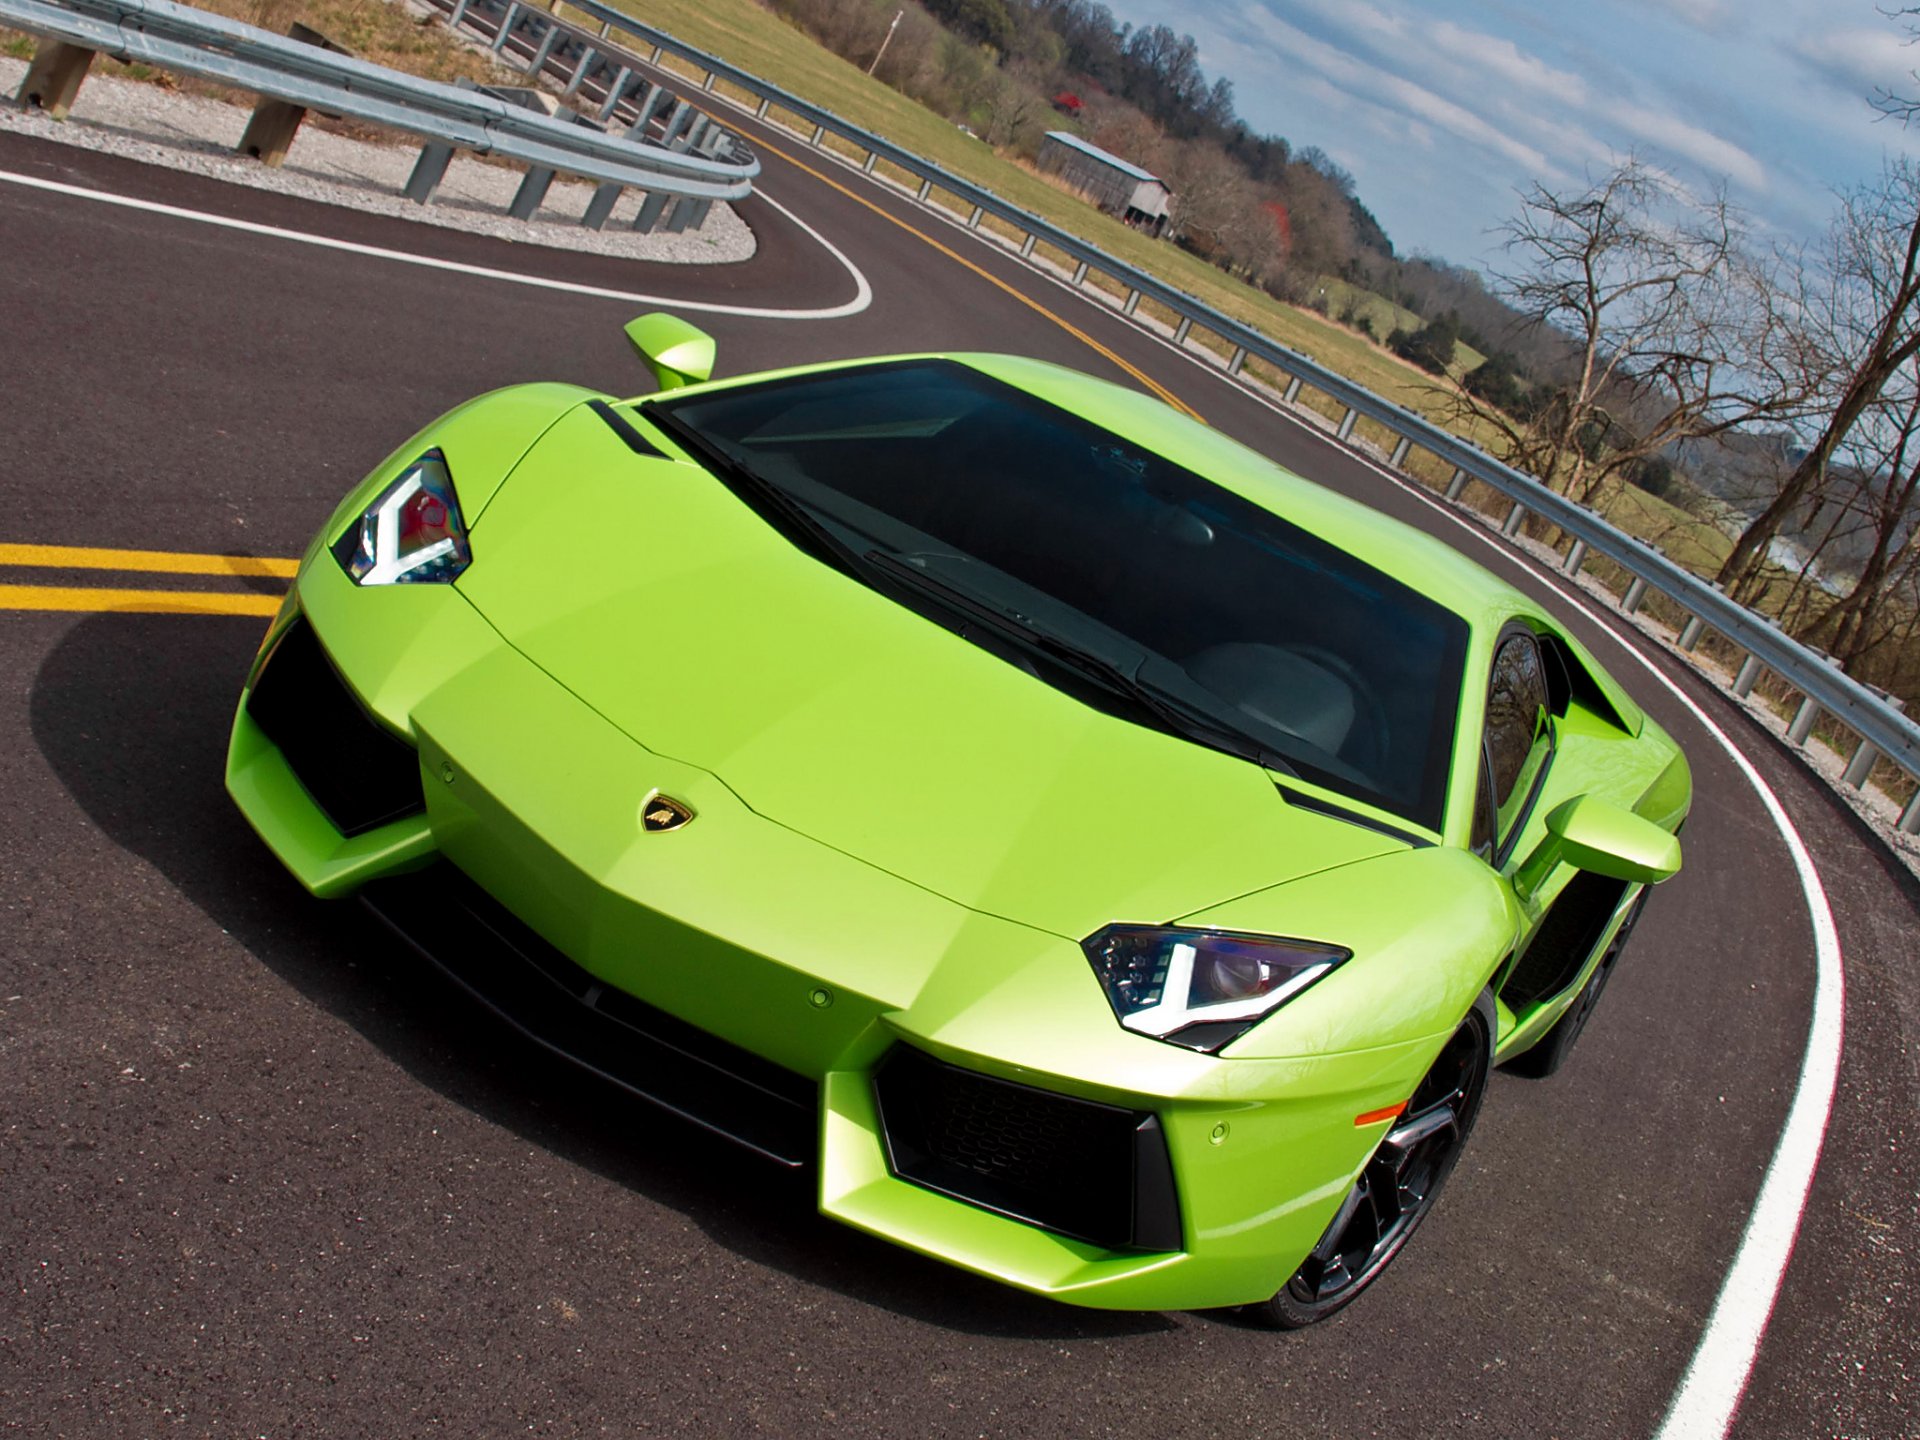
(1274, 216)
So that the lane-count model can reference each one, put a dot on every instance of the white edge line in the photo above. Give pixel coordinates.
(1710, 1390)
(863, 292)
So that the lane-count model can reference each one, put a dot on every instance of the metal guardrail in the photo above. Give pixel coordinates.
(179, 38)
(1877, 723)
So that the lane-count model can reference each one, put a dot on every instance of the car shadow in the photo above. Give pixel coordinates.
(131, 714)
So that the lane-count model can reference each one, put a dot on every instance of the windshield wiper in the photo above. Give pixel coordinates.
(1181, 717)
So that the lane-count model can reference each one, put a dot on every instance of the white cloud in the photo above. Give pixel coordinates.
(1492, 55)
(1361, 77)
(1712, 153)
(1860, 60)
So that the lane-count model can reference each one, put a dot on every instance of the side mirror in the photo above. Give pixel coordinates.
(677, 353)
(1590, 834)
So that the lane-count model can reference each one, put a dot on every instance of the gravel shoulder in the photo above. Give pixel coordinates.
(155, 125)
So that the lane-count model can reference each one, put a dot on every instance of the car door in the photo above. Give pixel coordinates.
(1565, 918)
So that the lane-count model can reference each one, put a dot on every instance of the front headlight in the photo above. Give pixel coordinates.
(1202, 988)
(412, 533)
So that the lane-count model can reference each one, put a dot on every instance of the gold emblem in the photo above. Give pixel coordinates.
(661, 813)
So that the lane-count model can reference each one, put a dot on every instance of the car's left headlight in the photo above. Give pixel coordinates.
(412, 533)
(1202, 988)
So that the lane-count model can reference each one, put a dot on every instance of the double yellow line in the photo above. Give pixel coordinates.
(150, 562)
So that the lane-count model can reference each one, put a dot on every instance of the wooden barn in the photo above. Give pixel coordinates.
(1117, 186)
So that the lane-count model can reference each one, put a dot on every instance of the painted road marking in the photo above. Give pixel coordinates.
(159, 562)
(154, 602)
(863, 292)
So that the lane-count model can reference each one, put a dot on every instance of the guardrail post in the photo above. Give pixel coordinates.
(606, 28)
(582, 67)
(1576, 557)
(1748, 677)
(1345, 432)
(1456, 483)
(683, 117)
(926, 189)
(555, 34)
(1239, 360)
(1803, 719)
(532, 191)
(1910, 817)
(1516, 517)
(660, 101)
(1399, 456)
(1180, 331)
(53, 79)
(649, 94)
(650, 209)
(274, 123)
(507, 22)
(1292, 392)
(973, 220)
(615, 92)
(1026, 246)
(600, 207)
(1865, 756)
(1691, 632)
(711, 80)
(766, 104)
(678, 214)
(819, 134)
(459, 15)
(428, 171)
(1080, 273)
(1636, 592)
(873, 159)
(1133, 303)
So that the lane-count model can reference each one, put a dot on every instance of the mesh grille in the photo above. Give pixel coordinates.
(359, 773)
(1098, 1172)
(1565, 939)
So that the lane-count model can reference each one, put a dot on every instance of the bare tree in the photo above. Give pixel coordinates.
(1670, 321)
(1883, 478)
(1866, 323)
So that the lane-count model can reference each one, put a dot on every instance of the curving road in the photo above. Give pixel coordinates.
(260, 1175)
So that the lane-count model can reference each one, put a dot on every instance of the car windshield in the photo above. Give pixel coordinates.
(1113, 559)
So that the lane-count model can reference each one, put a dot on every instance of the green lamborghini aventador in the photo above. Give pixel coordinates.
(1111, 862)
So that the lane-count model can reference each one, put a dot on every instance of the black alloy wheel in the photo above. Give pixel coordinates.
(1399, 1184)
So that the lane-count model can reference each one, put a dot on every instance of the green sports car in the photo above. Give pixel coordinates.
(1113, 863)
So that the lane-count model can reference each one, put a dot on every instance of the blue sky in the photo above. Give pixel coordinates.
(1443, 110)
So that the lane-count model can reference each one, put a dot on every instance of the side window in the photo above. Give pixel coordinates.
(1519, 728)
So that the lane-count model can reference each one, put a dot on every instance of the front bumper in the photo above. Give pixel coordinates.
(768, 977)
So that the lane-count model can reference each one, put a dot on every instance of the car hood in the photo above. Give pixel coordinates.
(666, 604)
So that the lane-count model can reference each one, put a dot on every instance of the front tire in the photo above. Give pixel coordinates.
(1399, 1184)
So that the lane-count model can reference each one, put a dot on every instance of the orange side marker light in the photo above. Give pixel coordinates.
(1374, 1117)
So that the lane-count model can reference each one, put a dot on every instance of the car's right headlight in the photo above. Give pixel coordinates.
(412, 533)
(1202, 989)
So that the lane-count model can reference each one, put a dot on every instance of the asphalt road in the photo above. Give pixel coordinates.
(260, 1175)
